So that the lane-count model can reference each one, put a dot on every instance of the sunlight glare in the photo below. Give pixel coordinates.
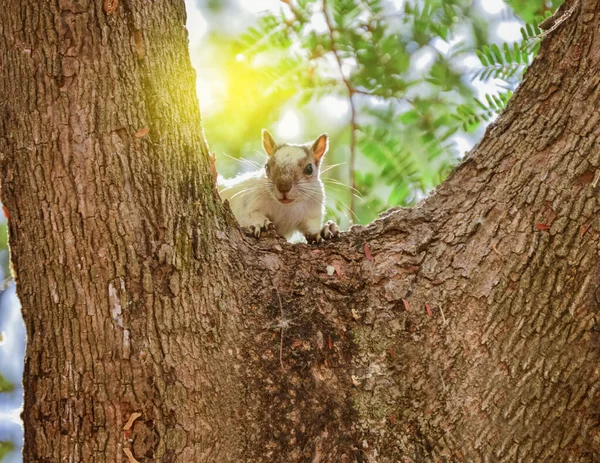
(348, 66)
(509, 31)
(446, 48)
(256, 6)
(196, 24)
(318, 23)
(210, 86)
(289, 126)
(423, 58)
(441, 45)
(483, 88)
(334, 109)
(463, 145)
(493, 6)
(470, 62)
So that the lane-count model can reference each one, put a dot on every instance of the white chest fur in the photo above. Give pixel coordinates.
(253, 201)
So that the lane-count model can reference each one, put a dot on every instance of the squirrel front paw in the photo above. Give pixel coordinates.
(328, 231)
(256, 229)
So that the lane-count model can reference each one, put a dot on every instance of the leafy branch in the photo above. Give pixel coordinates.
(406, 118)
(351, 92)
(506, 62)
(470, 117)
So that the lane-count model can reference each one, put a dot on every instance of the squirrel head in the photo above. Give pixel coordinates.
(293, 170)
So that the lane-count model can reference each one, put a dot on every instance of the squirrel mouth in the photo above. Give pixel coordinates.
(286, 200)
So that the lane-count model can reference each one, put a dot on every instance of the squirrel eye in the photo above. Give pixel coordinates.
(308, 170)
(267, 169)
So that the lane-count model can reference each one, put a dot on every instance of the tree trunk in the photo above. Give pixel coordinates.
(464, 329)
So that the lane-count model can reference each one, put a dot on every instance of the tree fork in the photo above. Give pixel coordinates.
(463, 329)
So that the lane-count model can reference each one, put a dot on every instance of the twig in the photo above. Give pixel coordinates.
(495, 249)
(130, 456)
(351, 92)
(4, 284)
(297, 15)
(132, 418)
(282, 325)
(352, 152)
(596, 179)
(443, 316)
(552, 23)
(386, 97)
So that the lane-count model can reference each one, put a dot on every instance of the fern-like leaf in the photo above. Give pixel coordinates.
(470, 118)
(396, 163)
(270, 33)
(506, 63)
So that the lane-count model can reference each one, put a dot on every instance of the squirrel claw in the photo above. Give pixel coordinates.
(252, 231)
(313, 238)
(255, 230)
(329, 231)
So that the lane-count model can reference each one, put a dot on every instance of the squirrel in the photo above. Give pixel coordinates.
(287, 195)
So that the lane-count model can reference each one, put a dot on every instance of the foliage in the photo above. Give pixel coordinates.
(529, 10)
(472, 116)
(5, 386)
(400, 71)
(5, 449)
(506, 62)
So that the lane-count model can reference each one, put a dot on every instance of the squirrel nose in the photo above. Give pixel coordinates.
(284, 187)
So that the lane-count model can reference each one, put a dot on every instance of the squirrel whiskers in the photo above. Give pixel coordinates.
(287, 194)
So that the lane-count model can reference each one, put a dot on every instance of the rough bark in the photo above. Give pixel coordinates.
(464, 329)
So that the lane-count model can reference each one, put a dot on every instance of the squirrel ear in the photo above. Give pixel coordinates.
(319, 147)
(268, 143)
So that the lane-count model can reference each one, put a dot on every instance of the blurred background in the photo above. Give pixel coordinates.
(404, 88)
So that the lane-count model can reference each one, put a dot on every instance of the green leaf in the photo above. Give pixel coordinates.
(5, 449)
(482, 58)
(5, 386)
(3, 236)
(497, 53)
(409, 117)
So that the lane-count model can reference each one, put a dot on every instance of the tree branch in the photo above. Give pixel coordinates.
(351, 92)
